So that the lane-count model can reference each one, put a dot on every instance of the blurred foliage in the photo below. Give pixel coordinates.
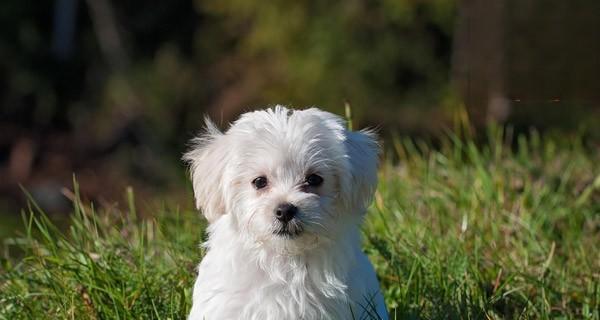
(184, 58)
(373, 53)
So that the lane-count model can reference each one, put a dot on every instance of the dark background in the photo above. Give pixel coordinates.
(111, 91)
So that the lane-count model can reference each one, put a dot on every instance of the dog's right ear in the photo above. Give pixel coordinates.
(207, 160)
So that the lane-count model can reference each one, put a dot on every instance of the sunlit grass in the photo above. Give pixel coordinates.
(109, 265)
(463, 230)
(489, 232)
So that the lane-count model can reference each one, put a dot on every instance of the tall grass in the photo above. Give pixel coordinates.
(462, 231)
(491, 231)
(108, 265)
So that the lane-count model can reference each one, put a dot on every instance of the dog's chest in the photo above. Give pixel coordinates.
(255, 293)
(299, 300)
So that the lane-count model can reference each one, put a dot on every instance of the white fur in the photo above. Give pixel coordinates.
(251, 273)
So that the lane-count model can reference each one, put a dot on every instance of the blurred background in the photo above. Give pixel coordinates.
(111, 91)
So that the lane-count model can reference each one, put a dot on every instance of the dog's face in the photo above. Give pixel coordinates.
(287, 178)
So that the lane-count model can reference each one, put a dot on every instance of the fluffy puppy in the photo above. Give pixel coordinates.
(285, 192)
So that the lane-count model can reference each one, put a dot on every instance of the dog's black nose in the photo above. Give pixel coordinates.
(285, 212)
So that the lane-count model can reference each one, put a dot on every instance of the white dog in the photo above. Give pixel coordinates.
(285, 192)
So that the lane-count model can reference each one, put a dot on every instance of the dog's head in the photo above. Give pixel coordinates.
(285, 176)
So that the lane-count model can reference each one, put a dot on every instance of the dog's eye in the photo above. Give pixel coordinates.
(260, 182)
(314, 180)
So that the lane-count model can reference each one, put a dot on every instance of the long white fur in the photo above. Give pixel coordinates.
(248, 271)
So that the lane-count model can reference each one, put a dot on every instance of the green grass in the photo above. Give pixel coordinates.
(464, 230)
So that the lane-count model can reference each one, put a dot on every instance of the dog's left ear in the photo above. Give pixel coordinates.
(363, 154)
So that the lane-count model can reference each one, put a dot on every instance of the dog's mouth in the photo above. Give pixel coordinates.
(291, 229)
